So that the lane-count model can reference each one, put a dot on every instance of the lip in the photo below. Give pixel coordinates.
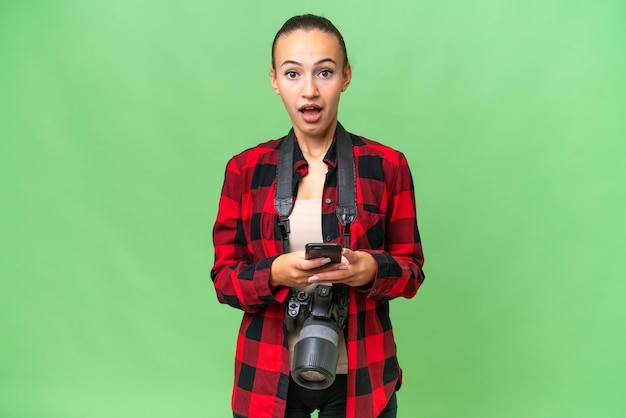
(311, 113)
(309, 106)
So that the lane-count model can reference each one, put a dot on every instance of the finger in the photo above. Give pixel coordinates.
(324, 260)
(317, 278)
(314, 263)
(314, 279)
(335, 275)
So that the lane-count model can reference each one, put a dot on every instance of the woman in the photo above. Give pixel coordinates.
(259, 257)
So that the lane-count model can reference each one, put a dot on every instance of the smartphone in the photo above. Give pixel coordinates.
(331, 250)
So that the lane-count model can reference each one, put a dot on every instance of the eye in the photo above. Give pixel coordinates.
(326, 73)
(291, 75)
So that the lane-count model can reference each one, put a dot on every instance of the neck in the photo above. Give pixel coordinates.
(316, 146)
(315, 149)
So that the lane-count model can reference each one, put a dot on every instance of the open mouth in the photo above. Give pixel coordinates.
(311, 113)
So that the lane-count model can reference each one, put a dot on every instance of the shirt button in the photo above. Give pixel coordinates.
(328, 200)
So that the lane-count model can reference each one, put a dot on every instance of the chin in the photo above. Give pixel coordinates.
(315, 131)
(318, 128)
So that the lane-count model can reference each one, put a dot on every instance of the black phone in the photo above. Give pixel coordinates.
(331, 250)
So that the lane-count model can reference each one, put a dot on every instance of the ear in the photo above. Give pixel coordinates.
(347, 77)
(273, 81)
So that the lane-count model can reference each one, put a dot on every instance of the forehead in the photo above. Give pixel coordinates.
(306, 46)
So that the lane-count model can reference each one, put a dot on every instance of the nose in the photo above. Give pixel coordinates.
(309, 87)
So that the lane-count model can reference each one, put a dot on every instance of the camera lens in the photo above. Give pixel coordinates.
(316, 354)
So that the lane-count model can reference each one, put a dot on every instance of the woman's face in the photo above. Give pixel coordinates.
(309, 75)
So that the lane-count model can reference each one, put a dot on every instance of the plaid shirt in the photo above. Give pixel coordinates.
(247, 239)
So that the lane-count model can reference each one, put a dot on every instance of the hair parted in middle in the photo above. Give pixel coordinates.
(308, 22)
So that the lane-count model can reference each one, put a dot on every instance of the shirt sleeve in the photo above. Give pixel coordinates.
(240, 281)
(399, 266)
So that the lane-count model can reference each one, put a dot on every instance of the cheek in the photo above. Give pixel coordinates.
(287, 91)
(334, 97)
(289, 104)
(287, 100)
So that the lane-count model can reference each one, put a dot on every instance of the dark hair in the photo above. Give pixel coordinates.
(309, 22)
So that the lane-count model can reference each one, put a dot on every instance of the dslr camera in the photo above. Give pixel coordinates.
(321, 315)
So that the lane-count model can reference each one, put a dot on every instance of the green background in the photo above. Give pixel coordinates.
(117, 118)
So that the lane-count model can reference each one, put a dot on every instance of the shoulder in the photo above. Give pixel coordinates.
(365, 148)
(263, 153)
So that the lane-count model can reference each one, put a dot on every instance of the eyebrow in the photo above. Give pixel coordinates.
(317, 63)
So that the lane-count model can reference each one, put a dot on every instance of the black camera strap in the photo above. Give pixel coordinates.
(346, 181)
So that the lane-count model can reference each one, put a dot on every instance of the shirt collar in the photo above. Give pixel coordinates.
(301, 165)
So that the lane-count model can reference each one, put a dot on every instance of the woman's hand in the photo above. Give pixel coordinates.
(293, 270)
(357, 268)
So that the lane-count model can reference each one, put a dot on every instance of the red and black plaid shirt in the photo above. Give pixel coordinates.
(247, 239)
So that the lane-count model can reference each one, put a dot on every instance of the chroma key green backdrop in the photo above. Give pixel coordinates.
(117, 119)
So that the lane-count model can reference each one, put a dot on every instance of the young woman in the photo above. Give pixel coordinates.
(260, 262)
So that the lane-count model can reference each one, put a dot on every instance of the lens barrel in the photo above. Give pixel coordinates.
(316, 354)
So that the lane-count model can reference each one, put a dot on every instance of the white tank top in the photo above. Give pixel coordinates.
(305, 222)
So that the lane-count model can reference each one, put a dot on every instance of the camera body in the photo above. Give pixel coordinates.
(321, 315)
(324, 303)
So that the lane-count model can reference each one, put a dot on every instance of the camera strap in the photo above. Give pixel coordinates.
(346, 182)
